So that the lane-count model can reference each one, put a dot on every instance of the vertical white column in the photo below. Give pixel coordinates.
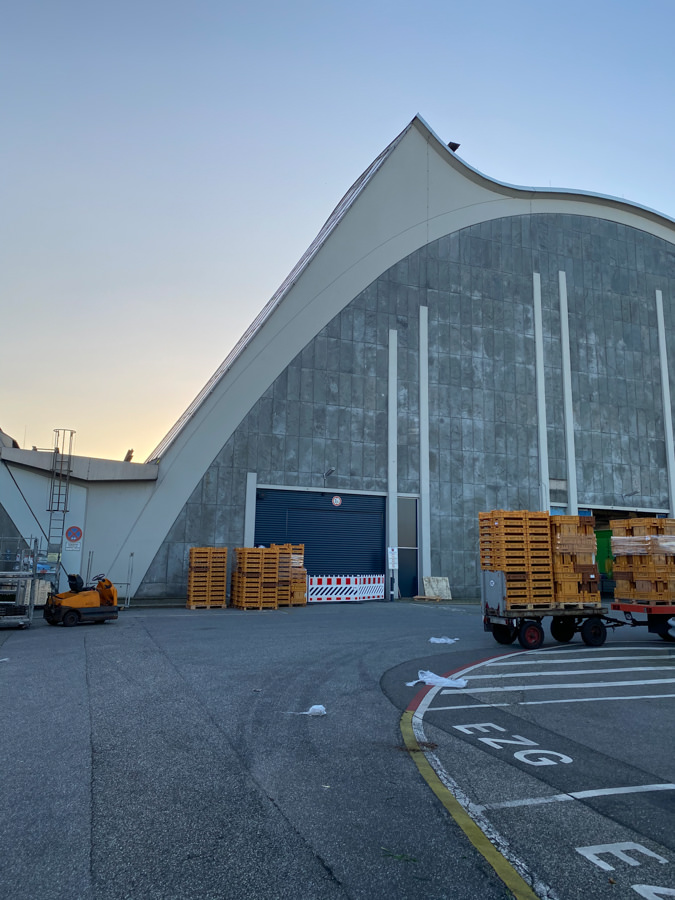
(568, 412)
(665, 394)
(392, 448)
(424, 537)
(544, 491)
(249, 509)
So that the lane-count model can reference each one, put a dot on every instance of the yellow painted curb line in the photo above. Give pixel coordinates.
(514, 882)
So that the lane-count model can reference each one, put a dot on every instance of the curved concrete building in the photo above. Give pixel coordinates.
(448, 344)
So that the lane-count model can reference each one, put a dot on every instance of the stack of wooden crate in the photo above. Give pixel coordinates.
(247, 579)
(575, 571)
(644, 560)
(207, 578)
(262, 579)
(518, 543)
(297, 593)
(298, 576)
(276, 577)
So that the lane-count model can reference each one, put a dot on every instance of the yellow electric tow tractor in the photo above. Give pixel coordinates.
(94, 603)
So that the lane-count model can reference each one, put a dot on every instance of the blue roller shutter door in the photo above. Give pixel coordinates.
(348, 539)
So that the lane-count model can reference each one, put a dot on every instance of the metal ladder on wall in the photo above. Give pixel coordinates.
(58, 492)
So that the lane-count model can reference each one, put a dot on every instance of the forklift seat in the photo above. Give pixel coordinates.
(75, 583)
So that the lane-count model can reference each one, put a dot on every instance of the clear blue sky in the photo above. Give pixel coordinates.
(165, 164)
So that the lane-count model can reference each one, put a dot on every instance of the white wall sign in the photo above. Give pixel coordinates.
(73, 538)
(392, 557)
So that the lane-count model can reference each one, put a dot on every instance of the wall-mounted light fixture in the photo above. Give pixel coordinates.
(328, 473)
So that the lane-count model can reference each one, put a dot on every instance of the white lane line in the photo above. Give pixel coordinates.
(602, 671)
(579, 795)
(559, 662)
(595, 699)
(547, 702)
(432, 709)
(545, 651)
(555, 687)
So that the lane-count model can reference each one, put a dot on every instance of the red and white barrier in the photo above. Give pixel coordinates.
(343, 588)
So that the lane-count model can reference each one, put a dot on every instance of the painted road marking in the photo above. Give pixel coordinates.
(572, 672)
(653, 891)
(554, 687)
(594, 699)
(470, 815)
(550, 662)
(547, 702)
(546, 651)
(579, 795)
(619, 850)
(485, 838)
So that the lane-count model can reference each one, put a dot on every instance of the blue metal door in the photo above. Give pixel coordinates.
(343, 534)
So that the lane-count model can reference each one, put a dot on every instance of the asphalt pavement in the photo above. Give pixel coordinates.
(167, 755)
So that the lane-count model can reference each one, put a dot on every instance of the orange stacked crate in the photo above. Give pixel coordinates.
(575, 572)
(540, 563)
(644, 560)
(292, 575)
(285, 560)
(298, 575)
(207, 578)
(518, 543)
(622, 552)
(247, 578)
(269, 587)
(299, 588)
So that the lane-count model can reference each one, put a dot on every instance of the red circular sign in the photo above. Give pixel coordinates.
(336, 501)
(74, 534)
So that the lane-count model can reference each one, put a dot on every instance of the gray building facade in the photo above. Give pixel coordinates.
(329, 407)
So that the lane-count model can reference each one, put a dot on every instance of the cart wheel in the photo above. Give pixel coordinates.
(70, 618)
(504, 634)
(531, 635)
(658, 624)
(594, 632)
(563, 629)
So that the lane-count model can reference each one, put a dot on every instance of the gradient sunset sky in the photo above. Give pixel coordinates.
(165, 164)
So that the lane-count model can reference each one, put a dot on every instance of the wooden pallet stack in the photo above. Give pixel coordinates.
(276, 565)
(263, 577)
(297, 595)
(644, 560)
(575, 571)
(207, 578)
(518, 543)
(247, 579)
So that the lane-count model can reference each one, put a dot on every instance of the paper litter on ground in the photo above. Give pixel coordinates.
(437, 680)
(443, 640)
(316, 710)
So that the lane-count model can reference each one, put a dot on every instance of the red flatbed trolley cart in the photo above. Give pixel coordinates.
(657, 616)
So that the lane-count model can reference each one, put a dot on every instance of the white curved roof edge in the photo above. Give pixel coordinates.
(333, 220)
(575, 192)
